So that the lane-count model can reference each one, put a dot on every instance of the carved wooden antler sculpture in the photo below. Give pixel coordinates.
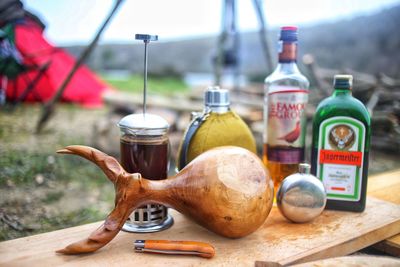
(227, 190)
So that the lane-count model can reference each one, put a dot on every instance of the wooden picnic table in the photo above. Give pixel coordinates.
(332, 234)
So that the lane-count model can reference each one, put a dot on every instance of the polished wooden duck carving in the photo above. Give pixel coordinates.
(227, 190)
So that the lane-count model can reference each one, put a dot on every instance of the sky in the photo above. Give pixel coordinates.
(76, 21)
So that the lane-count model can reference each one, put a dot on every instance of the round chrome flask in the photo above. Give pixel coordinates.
(301, 196)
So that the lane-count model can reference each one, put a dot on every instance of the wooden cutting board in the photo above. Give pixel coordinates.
(351, 261)
(332, 234)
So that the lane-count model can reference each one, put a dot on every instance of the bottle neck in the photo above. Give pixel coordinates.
(287, 53)
(217, 109)
(290, 67)
(342, 92)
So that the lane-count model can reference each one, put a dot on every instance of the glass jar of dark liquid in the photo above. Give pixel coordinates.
(145, 149)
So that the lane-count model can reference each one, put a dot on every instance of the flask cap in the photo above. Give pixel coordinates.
(343, 81)
(288, 34)
(304, 168)
(216, 97)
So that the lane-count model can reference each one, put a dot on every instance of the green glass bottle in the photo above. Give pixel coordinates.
(340, 146)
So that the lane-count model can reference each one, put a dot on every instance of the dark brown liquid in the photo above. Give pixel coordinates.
(150, 159)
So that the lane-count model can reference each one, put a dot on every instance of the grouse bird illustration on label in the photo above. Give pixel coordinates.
(293, 135)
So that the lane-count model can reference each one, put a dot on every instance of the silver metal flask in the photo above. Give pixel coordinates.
(301, 196)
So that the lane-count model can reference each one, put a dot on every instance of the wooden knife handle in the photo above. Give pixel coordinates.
(204, 250)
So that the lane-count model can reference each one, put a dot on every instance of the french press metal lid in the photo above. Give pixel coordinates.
(143, 124)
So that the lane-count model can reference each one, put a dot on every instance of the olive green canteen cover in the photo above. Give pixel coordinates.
(219, 129)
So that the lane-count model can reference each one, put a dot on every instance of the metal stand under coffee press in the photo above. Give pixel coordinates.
(145, 149)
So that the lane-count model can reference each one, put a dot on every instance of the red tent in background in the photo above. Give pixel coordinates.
(84, 88)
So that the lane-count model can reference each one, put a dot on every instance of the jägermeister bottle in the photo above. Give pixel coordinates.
(340, 146)
(286, 96)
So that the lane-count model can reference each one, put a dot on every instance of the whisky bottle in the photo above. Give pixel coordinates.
(285, 99)
(340, 146)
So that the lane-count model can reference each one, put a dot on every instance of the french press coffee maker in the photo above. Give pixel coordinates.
(144, 147)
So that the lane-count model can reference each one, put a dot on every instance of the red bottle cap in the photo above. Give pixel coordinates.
(289, 28)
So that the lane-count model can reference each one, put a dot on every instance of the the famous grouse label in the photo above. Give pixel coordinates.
(340, 157)
(286, 122)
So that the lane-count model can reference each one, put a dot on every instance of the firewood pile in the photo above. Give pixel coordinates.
(380, 93)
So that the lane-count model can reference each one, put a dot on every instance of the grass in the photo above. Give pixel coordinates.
(77, 217)
(45, 223)
(52, 197)
(155, 84)
(39, 205)
(22, 167)
(41, 191)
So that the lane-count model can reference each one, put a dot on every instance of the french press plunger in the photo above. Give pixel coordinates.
(145, 149)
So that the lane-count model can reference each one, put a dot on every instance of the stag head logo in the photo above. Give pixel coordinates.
(341, 137)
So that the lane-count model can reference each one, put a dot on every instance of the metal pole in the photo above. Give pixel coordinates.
(219, 59)
(236, 47)
(146, 40)
(49, 107)
(263, 34)
(145, 77)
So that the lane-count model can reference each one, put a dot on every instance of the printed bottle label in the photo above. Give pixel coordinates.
(340, 157)
(286, 124)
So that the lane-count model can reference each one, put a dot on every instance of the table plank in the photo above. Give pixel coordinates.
(334, 233)
(359, 260)
(386, 186)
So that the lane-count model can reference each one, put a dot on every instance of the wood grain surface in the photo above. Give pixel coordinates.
(332, 234)
(386, 186)
(352, 261)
